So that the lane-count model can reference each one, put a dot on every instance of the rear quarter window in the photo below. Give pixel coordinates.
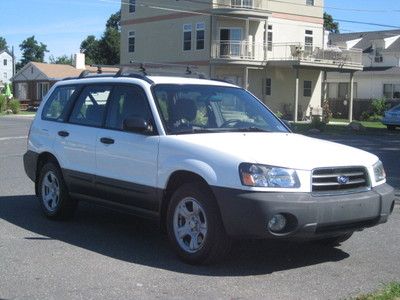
(55, 108)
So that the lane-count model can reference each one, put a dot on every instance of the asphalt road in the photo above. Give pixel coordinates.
(102, 254)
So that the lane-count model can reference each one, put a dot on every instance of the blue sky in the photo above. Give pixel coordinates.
(63, 24)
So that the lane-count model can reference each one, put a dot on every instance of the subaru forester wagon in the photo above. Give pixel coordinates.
(205, 158)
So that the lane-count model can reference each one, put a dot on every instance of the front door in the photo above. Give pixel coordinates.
(126, 162)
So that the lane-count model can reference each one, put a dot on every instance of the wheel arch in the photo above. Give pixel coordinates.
(177, 179)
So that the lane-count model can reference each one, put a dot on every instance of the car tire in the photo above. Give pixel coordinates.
(53, 194)
(194, 225)
(334, 241)
(391, 127)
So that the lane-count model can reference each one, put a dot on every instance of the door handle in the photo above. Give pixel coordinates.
(63, 133)
(107, 141)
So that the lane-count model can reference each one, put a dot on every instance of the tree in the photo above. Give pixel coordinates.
(61, 60)
(3, 44)
(32, 51)
(91, 47)
(330, 25)
(106, 49)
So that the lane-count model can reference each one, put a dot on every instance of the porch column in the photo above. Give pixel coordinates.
(325, 87)
(296, 96)
(246, 78)
(351, 97)
(265, 46)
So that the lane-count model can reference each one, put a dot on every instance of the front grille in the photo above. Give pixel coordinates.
(339, 179)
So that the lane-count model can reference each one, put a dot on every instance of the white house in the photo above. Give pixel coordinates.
(273, 48)
(381, 60)
(6, 67)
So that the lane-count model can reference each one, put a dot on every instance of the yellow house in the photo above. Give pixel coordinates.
(274, 48)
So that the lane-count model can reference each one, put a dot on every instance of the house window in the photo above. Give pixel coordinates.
(5, 62)
(242, 3)
(378, 55)
(22, 90)
(5, 75)
(308, 42)
(391, 91)
(268, 86)
(132, 6)
(131, 41)
(270, 38)
(307, 88)
(42, 89)
(200, 32)
(187, 37)
(310, 2)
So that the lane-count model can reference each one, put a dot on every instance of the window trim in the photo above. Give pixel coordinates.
(204, 35)
(68, 108)
(40, 97)
(183, 37)
(108, 110)
(83, 87)
(306, 88)
(132, 4)
(132, 34)
(268, 86)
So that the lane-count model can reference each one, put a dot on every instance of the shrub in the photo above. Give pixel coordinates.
(3, 103)
(317, 123)
(379, 106)
(326, 112)
(15, 106)
(279, 114)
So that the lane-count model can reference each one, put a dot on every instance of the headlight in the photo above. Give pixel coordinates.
(267, 176)
(379, 171)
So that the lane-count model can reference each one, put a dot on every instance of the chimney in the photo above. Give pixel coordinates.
(79, 61)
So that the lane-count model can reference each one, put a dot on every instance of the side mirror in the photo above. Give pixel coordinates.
(137, 125)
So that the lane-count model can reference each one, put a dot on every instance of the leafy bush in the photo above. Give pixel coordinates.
(15, 106)
(3, 103)
(379, 106)
(317, 123)
(326, 112)
(279, 114)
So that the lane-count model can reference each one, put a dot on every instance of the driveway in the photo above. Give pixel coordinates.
(102, 254)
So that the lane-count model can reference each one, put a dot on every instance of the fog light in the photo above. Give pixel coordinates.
(277, 223)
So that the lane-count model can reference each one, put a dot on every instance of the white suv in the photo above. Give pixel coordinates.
(205, 158)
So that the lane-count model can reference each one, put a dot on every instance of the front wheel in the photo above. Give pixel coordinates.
(53, 195)
(194, 225)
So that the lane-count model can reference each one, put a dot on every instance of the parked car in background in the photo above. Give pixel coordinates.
(392, 118)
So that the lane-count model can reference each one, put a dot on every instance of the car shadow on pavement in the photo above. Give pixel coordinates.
(138, 241)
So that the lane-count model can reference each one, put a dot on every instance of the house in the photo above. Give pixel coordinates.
(381, 75)
(275, 49)
(6, 67)
(35, 79)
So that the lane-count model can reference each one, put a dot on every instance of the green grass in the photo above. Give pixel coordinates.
(388, 292)
(371, 128)
(22, 112)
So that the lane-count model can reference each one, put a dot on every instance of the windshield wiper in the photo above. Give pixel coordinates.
(196, 130)
(251, 129)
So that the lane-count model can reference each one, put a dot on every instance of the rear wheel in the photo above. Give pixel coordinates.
(391, 127)
(335, 241)
(53, 195)
(194, 225)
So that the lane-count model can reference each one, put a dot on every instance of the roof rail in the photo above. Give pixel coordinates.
(141, 71)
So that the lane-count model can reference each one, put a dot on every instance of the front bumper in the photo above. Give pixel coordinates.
(246, 214)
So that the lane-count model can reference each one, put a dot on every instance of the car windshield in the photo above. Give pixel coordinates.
(395, 109)
(187, 109)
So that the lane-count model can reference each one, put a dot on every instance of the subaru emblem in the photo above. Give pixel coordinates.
(343, 179)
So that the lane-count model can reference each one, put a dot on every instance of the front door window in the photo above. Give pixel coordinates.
(231, 39)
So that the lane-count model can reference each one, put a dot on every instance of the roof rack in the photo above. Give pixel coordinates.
(141, 71)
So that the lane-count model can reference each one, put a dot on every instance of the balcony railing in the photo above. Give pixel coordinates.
(240, 50)
(308, 52)
(246, 4)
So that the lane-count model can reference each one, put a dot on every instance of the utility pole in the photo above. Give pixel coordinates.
(13, 61)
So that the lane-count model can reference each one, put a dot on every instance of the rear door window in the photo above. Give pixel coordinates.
(57, 105)
(90, 107)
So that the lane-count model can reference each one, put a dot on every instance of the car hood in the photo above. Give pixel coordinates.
(280, 149)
